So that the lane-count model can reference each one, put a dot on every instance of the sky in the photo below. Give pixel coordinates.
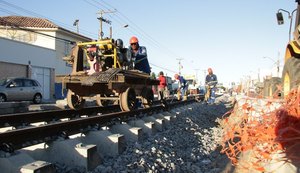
(232, 37)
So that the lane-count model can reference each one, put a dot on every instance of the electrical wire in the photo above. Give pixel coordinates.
(118, 17)
(12, 25)
(69, 27)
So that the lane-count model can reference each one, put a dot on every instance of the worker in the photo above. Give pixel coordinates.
(210, 82)
(182, 86)
(139, 56)
(162, 86)
(121, 53)
(92, 61)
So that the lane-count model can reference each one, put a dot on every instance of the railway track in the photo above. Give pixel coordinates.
(63, 123)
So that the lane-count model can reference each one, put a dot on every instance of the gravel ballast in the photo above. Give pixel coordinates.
(189, 144)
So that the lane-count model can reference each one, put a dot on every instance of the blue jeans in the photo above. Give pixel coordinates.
(212, 96)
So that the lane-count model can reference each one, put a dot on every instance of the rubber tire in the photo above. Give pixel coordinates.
(2, 98)
(292, 69)
(37, 99)
(273, 88)
(147, 97)
(74, 101)
(128, 100)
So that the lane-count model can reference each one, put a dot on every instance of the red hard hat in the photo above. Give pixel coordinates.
(133, 40)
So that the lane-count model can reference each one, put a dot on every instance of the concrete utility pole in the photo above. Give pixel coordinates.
(196, 70)
(101, 19)
(275, 62)
(204, 72)
(179, 65)
(278, 64)
(258, 75)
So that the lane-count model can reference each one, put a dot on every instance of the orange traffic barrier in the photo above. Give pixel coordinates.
(261, 133)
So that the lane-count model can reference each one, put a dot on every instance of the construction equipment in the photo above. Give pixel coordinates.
(104, 70)
(291, 69)
(271, 87)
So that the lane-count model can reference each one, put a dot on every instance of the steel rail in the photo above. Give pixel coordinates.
(21, 138)
(21, 119)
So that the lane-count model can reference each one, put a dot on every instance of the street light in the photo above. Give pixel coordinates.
(275, 62)
(76, 23)
(281, 21)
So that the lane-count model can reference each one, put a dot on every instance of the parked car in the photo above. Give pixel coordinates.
(20, 89)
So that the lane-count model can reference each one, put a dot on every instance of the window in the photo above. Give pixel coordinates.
(35, 83)
(17, 83)
(28, 83)
(67, 48)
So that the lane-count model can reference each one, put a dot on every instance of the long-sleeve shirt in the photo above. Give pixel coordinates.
(141, 60)
(211, 80)
(182, 82)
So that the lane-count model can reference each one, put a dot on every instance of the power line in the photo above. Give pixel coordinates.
(137, 29)
(12, 25)
(119, 16)
(40, 16)
(163, 68)
(7, 11)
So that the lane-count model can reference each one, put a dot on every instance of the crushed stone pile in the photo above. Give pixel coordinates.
(191, 143)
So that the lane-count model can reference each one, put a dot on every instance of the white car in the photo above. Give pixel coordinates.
(20, 89)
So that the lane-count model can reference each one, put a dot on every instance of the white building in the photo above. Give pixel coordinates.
(34, 47)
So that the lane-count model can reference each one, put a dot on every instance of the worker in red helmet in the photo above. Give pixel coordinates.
(211, 82)
(139, 56)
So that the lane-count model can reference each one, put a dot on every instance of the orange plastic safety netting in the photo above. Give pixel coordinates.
(262, 130)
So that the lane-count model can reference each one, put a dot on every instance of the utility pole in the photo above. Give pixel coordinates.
(278, 64)
(101, 19)
(179, 65)
(196, 70)
(258, 75)
(204, 72)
